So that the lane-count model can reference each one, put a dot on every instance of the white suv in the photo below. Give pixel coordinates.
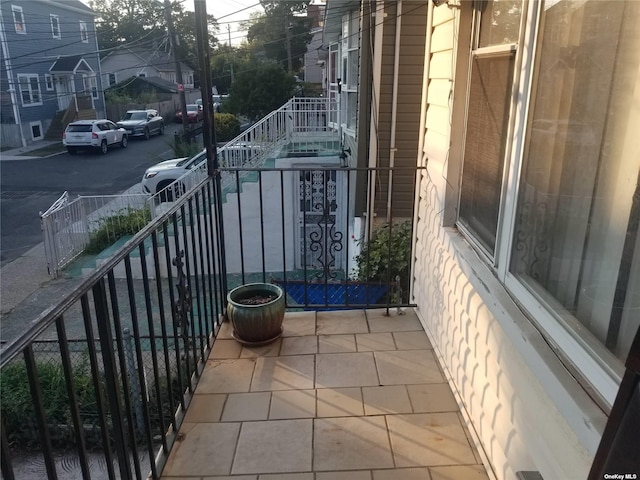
(96, 134)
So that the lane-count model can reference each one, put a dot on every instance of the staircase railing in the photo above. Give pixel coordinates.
(298, 118)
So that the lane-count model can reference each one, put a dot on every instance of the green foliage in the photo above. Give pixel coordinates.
(227, 126)
(128, 221)
(387, 255)
(185, 149)
(283, 23)
(17, 406)
(257, 92)
(127, 96)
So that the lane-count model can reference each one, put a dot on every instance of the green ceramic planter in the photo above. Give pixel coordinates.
(256, 324)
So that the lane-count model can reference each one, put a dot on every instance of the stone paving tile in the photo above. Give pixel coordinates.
(345, 370)
(299, 324)
(386, 400)
(428, 439)
(351, 443)
(408, 367)
(293, 404)
(372, 342)
(341, 322)
(283, 373)
(456, 472)
(339, 402)
(287, 476)
(243, 407)
(419, 473)
(411, 340)
(434, 397)
(358, 475)
(192, 455)
(274, 447)
(227, 477)
(226, 376)
(336, 344)
(299, 345)
(205, 408)
(379, 322)
(223, 348)
(271, 350)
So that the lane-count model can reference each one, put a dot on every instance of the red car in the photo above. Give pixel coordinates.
(194, 114)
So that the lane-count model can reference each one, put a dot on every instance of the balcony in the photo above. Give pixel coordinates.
(135, 374)
(351, 394)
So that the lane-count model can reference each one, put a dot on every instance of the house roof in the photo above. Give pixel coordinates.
(70, 65)
(157, 58)
(75, 5)
(156, 82)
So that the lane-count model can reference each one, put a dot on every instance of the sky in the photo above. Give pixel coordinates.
(230, 11)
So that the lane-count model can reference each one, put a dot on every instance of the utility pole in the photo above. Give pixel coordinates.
(173, 42)
(287, 31)
(231, 63)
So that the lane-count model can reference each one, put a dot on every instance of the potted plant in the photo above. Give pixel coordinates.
(256, 311)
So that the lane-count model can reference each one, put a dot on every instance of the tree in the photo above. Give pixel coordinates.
(128, 21)
(226, 60)
(143, 23)
(282, 33)
(261, 89)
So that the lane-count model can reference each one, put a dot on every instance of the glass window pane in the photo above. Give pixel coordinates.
(487, 118)
(500, 22)
(354, 30)
(353, 70)
(576, 243)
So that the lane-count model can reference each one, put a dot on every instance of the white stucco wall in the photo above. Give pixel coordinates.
(527, 410)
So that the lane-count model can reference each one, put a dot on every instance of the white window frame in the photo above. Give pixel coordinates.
(28, 78)
(84, 32)
(583, 354)
(113, 75)
(347, 87)
(17, 10)
(49, 82)
(55, 23)
(38, 124)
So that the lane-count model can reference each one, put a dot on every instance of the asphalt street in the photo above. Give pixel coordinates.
(30, 186)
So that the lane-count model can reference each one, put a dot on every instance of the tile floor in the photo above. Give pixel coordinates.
(352, 395)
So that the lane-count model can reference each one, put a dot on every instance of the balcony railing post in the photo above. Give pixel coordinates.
(132, 372)
(111, 378)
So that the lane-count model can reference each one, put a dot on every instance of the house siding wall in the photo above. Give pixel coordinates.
(527, 411)
(34, 53)
(411, 69)
(125, 65)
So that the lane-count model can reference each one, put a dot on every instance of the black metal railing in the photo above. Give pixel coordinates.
(132, 339)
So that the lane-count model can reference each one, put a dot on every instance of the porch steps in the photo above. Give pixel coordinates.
(54, 132)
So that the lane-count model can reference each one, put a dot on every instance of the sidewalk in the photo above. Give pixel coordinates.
(22, 153)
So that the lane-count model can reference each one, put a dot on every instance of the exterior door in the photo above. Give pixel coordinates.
(64, 91)
(321, 226)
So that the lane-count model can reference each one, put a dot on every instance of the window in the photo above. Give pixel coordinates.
(143, 75)
(48, 82)
(36, 130)
(488, 113)
(18, 19)
(29, 90)
(576, 245)
(84, 34)
(550, 183)
(112, 79)
(333, 84)
(91, 85)
(55, 26)
(350, 60)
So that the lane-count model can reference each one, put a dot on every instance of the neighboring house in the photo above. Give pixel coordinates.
(49, 63)
(526, 259)
(126, 62)
(378, 112)
(312, 63)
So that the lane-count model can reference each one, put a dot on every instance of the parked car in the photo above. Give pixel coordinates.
(95, 134)
(162, 174)
(194, 114)
(142, 123)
